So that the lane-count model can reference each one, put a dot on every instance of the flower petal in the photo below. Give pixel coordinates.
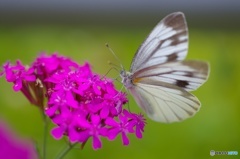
(18, 85)
(112, 133)
(95, 119)
(58, 132)
(125, 139)
(96, 142)
(83, 135)
(111, 122)
(104, 112)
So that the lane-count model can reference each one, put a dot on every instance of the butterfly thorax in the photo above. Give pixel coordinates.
(126, 79)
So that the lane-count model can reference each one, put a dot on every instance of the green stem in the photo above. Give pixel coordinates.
(45, 130)
(65, 151)
(37, 150)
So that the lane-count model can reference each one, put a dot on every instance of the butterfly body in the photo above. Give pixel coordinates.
(126, 79)
(160, 79)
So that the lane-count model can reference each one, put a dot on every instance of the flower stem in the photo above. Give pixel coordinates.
(45, 130)
(37, 150)
(65, 151)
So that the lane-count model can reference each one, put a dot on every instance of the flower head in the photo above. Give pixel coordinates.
(79, 102)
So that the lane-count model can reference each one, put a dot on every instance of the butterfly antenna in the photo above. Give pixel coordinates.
(113, 64)
(112, 68)
(110, 49)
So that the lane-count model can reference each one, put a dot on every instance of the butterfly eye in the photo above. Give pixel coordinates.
(123, 73)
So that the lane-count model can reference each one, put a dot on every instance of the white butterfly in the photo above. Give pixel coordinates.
(159, 79)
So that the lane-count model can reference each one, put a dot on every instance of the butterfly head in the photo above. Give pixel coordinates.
(126, 78)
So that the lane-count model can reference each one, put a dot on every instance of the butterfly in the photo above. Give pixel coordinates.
(160, 79)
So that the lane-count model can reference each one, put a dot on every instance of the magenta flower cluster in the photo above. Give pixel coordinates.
(82, 104)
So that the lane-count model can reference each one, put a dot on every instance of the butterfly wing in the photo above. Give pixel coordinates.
(167, 42)
(162, 90)
(165, 103)
(189, 75)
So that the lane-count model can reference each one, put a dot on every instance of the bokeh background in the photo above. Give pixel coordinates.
(80, 29)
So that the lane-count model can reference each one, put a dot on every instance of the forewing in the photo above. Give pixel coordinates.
(188, 75)
(166, 103)
(167, 42)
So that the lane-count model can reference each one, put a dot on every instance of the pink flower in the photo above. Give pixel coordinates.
(93, 129)
(18, 74)
(80, 103)
(127, 123)
(11, 147)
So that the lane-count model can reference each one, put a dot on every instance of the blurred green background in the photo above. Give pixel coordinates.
(82, 34)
